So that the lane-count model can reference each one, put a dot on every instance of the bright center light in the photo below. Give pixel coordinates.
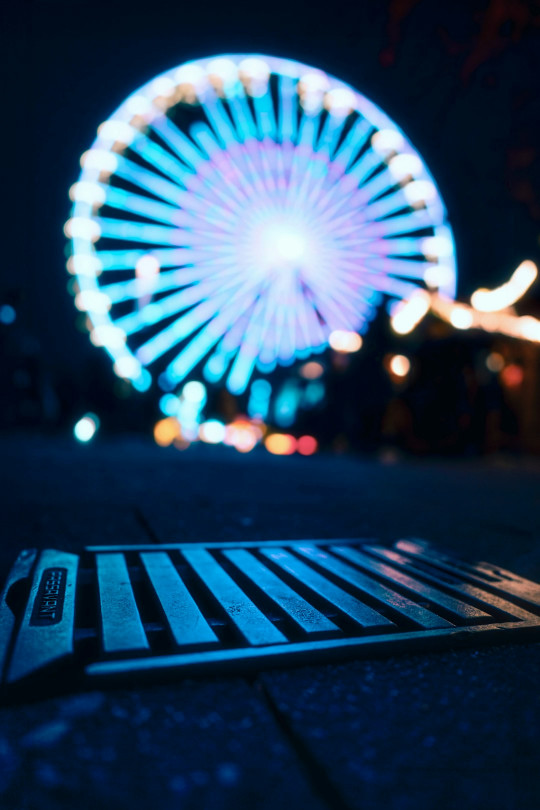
(290, 246)
(280, 246)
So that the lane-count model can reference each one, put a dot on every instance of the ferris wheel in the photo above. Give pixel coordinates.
(236, 211)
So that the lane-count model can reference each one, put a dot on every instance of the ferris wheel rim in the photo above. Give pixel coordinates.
(126, 363)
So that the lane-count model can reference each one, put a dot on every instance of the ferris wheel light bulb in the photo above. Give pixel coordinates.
(100, 160)
(162, 86)
(139, 105)
(117, 131)
(340, 101)
(437, 247)
(404, 166)
(93, 301)
(82, 228)
(387, 141)
(111, 337)
(223, 69)
(419, 192)
(254, 73)
(438, 276)
(84, 264)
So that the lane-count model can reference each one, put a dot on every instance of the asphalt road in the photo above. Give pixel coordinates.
(454, 729)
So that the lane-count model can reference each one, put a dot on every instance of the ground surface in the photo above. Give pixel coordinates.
(447, 730)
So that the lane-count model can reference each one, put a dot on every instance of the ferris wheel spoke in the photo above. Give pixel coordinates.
(416, 220)
(127, 259)
(214, 172)
(234, 172)
(341, 195)
(179, 329)
(142, 206)
(351, 146)
(264, 114)
(178, 142)
(210, 335)
(307, 132)
(245, 125)
(164, 281)
(143, 178)
(160, 161)
(308, 328)
(249, 349)
(286, 112)
(330, 135)
(389, 265)
(344, 300)
(138, 232)
(218, 362)
(397, 246)
(220, 122)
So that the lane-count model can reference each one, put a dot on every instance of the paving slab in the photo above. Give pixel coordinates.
(448, 730)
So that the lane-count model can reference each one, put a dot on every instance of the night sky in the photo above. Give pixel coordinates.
(461, 78)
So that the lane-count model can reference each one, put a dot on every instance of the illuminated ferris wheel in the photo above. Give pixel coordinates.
(235, 212)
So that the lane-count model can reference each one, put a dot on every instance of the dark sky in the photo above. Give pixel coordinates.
(461, 78)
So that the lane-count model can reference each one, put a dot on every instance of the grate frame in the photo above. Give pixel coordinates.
(126, 613)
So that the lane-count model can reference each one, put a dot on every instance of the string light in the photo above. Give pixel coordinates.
(506, 295)
(491, 310)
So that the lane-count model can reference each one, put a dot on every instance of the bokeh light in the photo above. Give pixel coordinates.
(311, 370)
(86, 428)
(343, 341)
(212, 431)
(495, 362)
(7, 314)
(166, 431)
(307, 445)
(400, 365)
(280, 444)
(512, 375)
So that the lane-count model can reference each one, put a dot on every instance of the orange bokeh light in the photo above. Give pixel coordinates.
(311, 370)
(280, 444)
(166, 431)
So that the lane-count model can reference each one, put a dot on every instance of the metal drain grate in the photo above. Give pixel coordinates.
(113, 612)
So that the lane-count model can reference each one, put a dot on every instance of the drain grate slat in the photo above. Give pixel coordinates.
(184, 619)
(455, 607)
(121, 625)
(420, 615)
(247, 617)
(307, 617)
(496, 579)
(462, 588)
(116, 611)
(363, 615)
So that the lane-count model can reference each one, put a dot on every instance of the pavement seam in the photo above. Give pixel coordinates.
(314, 770)
(141, 519)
